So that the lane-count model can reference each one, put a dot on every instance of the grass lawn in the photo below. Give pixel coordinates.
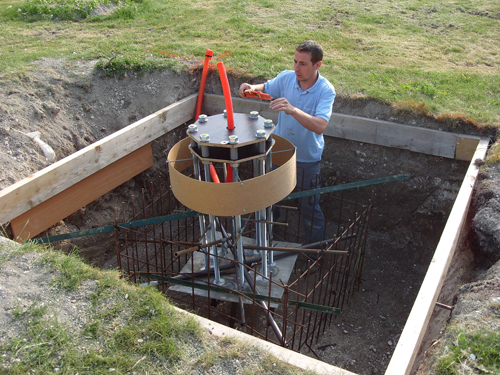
(443, 56)
(77, 319)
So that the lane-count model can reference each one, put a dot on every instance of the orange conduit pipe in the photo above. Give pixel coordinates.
(213, 173)
(208, 56)
(227, 95)
(229, 175)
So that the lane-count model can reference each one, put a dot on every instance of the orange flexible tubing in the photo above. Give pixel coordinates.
(227, 95)
(213, 173)
(208, 56)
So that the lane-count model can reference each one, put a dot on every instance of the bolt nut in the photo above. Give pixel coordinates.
(261, 133)
(204, 137)
(233, 139)
(193, 128)
(254, 115)
(225, 113)
(202, 119)
(268, 123)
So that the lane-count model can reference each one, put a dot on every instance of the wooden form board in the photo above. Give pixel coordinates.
(56, 208)
(30, 192)
(466, 147)
(362, 129)
(413, 138)
(416, 325)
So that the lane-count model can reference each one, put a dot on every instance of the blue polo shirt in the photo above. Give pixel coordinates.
(316, 101)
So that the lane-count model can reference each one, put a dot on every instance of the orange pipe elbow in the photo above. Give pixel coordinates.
(208, 57)
(227, 95)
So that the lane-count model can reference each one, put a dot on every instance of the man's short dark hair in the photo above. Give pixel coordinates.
(313, 48)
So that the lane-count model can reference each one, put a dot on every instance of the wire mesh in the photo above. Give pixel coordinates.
(291, 312)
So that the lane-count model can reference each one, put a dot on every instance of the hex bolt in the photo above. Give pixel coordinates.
(225, 113)
(261, 133)
(254, 115)
(204, 137)
(268, 123)
(202, 119)
(233, 139)
(193, 128)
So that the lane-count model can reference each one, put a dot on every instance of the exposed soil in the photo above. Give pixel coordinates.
(73, 106)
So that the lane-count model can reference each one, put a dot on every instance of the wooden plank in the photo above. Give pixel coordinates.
(406, 350)
(28, 193)
(466, 146)
(362, 129)
(49, 212)
(385, 133)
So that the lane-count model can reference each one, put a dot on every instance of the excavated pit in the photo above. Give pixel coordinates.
(405, 227)
(406, 224)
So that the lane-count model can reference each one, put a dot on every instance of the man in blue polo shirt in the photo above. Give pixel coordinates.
(305, 100)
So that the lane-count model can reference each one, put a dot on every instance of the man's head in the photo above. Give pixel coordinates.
(307, 61)
(313, 48)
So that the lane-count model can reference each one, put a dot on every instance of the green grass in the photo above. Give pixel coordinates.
(471, 351)
(122, 328)
(444, 56)
(121, 314)
(493, 154)
(73, 10)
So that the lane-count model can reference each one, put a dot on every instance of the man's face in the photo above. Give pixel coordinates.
(304, 68)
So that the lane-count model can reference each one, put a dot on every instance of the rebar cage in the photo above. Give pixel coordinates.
(160, 244)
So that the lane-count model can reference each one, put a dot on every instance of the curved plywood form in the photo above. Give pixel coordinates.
(235, 198)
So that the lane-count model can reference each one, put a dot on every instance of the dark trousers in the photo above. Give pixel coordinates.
(312, 216)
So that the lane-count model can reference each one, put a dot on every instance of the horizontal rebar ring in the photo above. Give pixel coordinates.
(198, 247)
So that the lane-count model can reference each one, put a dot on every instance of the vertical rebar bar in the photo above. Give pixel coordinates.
(117, 241)
(145, 235)
(153, 214)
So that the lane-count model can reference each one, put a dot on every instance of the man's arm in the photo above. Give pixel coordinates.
(312, 123)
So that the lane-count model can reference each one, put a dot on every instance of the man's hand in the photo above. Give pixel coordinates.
(281, 104)
(248, 87)
(244, 87)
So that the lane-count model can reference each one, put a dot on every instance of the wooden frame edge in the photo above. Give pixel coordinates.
(60, 206)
